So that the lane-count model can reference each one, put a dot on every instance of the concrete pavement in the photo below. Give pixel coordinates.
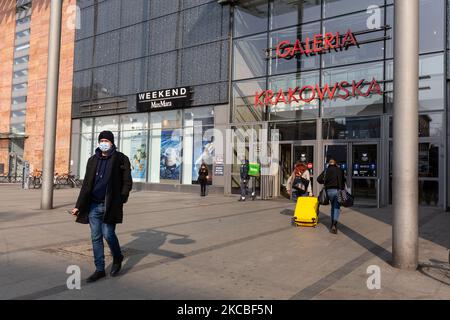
(181, 246)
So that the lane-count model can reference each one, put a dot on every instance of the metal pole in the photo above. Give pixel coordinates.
(51, 102)
(405, 231)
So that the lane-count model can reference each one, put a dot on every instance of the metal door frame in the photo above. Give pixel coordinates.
(298, 143)
(349, 144)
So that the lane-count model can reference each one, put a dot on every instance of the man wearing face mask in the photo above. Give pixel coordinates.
(106, 186)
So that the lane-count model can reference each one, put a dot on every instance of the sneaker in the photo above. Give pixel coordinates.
(97, 275)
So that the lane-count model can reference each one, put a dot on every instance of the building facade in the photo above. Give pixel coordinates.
(318, 71)
(23, 64)
(180, 82)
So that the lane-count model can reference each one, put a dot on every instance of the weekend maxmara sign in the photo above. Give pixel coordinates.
(339, 90)
(166, 99)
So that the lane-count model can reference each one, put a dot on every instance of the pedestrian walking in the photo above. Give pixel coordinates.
(203, 176)
(333, 180)
(243, 173)
(106, 187)
(299, 182)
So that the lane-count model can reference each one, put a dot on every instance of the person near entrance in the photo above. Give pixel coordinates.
(243, 173)
(106, 187)
(203, 175)
(333, 180)
(299, 182)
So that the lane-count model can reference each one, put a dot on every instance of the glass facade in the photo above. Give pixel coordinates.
(164, 147)
(19, 88)
(125, 47)
(281, 47)
(318, 71)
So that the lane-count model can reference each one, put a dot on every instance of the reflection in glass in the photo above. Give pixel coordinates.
(358, 105)
(428, 160)
(351, 128)
(338, 153)
(244, 109)
(165, 119)
(429, 193)
(370, 41)
(431, 82)
(333, 8)
(250, 17)
(430, 125)
(286, 13)
(293, 64)
(110, 123)
(293, 131)
(432, 26)
(294, 109)
(250, 57)
(86, 152)
(137, 121)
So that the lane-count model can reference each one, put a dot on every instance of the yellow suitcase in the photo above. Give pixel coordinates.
(306, 212)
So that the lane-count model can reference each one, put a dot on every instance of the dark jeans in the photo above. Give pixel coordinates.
(335, 206)
(203, 187)
(244, 184)
(100, 230)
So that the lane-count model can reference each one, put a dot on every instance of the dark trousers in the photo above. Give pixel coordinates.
(203, 188)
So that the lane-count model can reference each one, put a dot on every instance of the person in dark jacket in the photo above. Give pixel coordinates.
(333, 180)
(106, 187)
(203, 175)
(243, 172)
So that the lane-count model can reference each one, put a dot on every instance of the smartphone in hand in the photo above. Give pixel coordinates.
(71, 213)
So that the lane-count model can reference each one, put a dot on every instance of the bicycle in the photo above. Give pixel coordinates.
(76, 183)
(66, 179)
(35, 180)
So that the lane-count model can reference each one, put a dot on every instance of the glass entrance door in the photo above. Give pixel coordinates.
(290, 154)
(365, 174)
(285, 167)
(305, 154)
(359, 161)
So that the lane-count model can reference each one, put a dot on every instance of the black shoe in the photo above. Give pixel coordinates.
(117, 265)
(334, 228)
(97, 275)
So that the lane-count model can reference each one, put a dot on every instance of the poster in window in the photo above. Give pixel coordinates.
(170, 155)
(203, 152)
(138, 157)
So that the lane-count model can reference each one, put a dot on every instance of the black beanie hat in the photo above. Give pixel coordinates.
(106, 135)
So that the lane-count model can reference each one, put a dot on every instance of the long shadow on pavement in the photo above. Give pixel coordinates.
(149, 242)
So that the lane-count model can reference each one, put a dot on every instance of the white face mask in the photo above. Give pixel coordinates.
(104, 146)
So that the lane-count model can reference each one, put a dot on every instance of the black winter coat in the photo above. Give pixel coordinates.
(117, 191)
(202, 175)
(334, 178)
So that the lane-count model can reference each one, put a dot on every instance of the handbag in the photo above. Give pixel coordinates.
(345, 198)
(301, 184)
(323, 195)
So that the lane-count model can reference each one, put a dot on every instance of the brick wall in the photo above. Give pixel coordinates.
(7, 27)
(37, 81)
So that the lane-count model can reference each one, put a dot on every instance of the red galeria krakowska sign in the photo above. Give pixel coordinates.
(318, 44)
(339, 90)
